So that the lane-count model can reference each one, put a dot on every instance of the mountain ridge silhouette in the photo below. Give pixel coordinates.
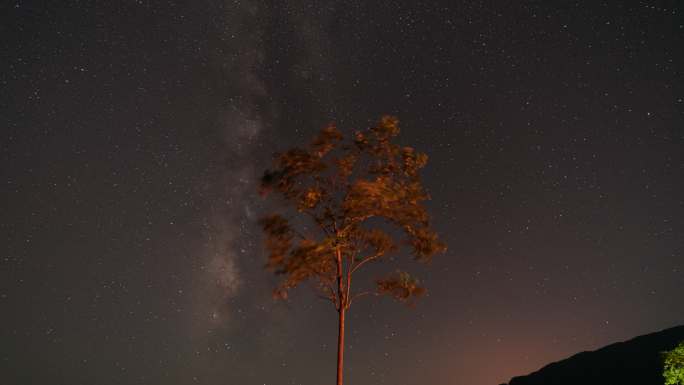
(637, 361)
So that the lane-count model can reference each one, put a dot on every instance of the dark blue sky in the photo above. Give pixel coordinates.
(133, 134)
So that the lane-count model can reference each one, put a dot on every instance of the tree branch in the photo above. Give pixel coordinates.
(362, 294)
(327, 299)
(328, 292)
(342, 298)
(331, 294)
(297, 233)
(349, 273)
(318, 221)
(366, 260)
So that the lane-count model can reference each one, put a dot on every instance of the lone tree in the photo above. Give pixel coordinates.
(673, 366)
(362, 196)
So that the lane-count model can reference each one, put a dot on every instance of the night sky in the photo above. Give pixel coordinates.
(133, 134)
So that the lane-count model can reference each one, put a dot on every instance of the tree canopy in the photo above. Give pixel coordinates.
(341, 185)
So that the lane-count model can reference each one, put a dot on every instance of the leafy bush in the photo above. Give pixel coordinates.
(673, 362)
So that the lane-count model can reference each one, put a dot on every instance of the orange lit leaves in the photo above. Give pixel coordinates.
(341, 184)
(401, 286)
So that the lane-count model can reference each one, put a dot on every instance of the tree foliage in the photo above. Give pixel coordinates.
(354, 190)
(673, 362)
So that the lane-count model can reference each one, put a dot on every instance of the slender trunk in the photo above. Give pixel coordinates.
(340, 346)
(341, 292)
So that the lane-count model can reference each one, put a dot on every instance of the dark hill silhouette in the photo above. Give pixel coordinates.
(634, 362)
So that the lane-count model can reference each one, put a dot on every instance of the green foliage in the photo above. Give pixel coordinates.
(673, 363)
(347, 187)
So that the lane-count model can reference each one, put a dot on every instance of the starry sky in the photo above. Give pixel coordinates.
(133, 134)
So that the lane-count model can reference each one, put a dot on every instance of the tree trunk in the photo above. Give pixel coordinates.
(342, 296)
(340, 346)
